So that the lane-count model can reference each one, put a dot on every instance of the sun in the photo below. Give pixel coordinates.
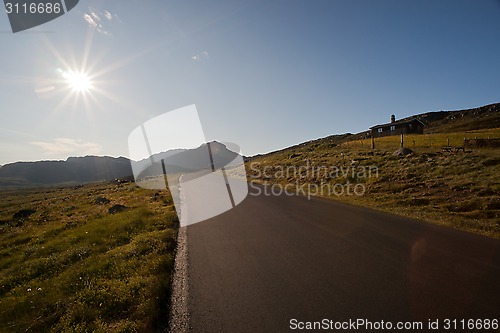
(79, 82)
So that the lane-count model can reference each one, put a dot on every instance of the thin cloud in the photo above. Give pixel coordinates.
(68, 146)
(90, 20)
(108, 15)
(100, 21)
(200, 56)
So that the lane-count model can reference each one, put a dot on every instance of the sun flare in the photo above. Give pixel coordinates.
(78, 81)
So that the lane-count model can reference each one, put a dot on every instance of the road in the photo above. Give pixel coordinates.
(277, 258)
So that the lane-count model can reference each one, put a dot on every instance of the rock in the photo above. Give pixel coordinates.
(23, 214)
(102, 201)
(402, 152)
(157, 196)
(117, 209)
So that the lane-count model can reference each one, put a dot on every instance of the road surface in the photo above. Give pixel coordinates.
(272, 260)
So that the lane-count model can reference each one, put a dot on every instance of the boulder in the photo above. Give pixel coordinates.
(102, 201)
(402, 152)
(117, 209)
(23, 214)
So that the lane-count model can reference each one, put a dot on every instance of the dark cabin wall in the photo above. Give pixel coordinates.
(402, 128)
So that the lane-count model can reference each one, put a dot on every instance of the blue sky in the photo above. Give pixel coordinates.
(263, 74)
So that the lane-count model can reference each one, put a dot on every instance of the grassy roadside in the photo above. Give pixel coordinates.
(72, 266)
(459, 190)
(425, 141)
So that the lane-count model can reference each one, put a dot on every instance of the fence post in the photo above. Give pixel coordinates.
(402, 140)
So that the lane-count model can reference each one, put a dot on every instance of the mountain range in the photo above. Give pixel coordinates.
(75, 170)
(78, 170)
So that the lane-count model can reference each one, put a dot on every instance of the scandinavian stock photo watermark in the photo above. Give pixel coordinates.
(205, 178)
(310, 180)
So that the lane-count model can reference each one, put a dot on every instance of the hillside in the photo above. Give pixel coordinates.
(460, 189)
(75, 170)
(484, 117)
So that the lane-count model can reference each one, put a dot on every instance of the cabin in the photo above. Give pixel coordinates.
(405, 126)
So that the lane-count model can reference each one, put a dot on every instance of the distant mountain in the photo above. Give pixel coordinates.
(183, 161)
(75, 170)
(79, 170)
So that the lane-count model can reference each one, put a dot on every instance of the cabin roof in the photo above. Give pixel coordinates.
(398, 122)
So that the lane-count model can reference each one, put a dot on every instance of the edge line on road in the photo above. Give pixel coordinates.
(179, 315)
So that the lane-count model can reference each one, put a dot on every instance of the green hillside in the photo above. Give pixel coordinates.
(70, 264)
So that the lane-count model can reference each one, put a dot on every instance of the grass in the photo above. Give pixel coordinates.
(435, 140)
(459, 190)
(73, 267)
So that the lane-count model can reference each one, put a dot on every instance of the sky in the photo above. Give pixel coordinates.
(264, 74)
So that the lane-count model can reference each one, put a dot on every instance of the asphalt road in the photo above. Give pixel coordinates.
(274, 259)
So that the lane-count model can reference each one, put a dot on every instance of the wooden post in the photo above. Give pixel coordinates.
(373, 142)
(448, 140)
(402, 140)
